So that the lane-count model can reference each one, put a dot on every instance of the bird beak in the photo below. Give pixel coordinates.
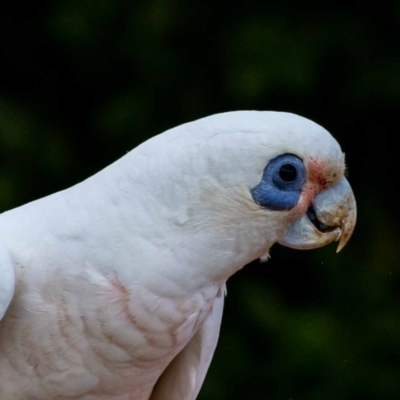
(331, 216)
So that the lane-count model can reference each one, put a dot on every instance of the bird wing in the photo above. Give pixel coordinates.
(7, 280)
(184, 376)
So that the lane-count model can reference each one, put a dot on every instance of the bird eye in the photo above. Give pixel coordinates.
(288, 173)
(281, 184)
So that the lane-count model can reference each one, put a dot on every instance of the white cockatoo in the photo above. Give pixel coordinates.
(114, 288)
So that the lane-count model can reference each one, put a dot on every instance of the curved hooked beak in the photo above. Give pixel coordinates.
(332, 216)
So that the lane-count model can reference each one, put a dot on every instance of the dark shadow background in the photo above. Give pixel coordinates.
(83, 81)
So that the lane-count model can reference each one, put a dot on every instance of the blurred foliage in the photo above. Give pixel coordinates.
(83, 82)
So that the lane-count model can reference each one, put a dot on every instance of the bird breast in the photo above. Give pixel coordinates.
(93, 339)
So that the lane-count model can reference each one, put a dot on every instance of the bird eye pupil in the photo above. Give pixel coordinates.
(288, 173)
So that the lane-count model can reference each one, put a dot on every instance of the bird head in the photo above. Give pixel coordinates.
(304, 179)
(238, 182)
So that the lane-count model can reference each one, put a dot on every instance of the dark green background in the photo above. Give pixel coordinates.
(83, 82)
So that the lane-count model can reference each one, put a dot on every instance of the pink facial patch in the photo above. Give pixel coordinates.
(316, 183)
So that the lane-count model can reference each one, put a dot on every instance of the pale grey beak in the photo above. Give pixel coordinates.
(332, 216)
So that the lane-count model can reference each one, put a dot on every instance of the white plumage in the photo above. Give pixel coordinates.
(120, 280)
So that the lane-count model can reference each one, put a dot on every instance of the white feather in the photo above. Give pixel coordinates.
(7, 280)
(119, 279)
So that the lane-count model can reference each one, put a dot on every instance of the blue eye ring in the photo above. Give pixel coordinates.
(281, 184)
